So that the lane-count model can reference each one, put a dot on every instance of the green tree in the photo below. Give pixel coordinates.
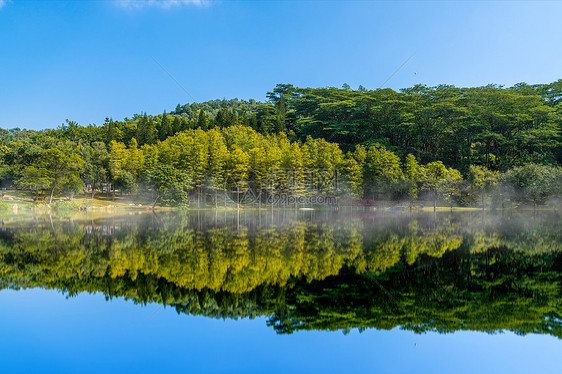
(202, 120)
(170, 185)
(96, 164)
(61, 167)
(216, 164)
(165, 128)
(482, 180)
(413, 176)
(34, 178)
(381, 171)
(440, 182)
(532, 182)
(146, 130)
(176, 125)
(238, 164)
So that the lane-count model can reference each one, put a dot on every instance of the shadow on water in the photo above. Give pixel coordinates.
(306, 270)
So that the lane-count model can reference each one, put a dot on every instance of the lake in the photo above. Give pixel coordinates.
(281, 291)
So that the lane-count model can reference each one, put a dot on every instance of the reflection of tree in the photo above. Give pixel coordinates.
(459, 291)
(219, 259)
(441, 275)
(386, 250)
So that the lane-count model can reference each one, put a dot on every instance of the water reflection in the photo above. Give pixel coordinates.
(305, 270)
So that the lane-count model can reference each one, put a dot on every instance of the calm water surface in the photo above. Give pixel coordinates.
(282, 291)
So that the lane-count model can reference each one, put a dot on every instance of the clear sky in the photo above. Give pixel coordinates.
(87, 60)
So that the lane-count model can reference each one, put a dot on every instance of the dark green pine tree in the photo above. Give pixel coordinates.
(146, 130)
(165, 128)
(254, 122)
(109, 130)
(279, 124)
(245, 121)
(231, 117)
(176, 125)
(142, 124)
(281, 111)
(263, 126)
(219, 119)
(187, 124)
(202, 120)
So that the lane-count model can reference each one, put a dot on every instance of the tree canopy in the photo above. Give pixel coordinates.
(434, 143)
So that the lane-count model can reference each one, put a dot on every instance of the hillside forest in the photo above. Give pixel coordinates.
(459, 146)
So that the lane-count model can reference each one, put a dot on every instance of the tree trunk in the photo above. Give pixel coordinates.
(52, 192)
(155, 201)
(53, 227)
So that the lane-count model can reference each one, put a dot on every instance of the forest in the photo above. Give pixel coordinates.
(443, 144)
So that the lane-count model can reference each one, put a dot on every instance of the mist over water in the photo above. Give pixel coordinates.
(305, 270)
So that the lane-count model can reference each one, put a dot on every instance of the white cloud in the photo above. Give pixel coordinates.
(165, 4)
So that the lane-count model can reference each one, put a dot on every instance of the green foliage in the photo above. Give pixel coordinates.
(33, 178)
(490, 125)
(482, 179)
(382, 144)
(96, 164)
(440, 181)
(532, 182)
(125, 182)
(57, 169)
(413, 176)
(381, 170)
(171, 184)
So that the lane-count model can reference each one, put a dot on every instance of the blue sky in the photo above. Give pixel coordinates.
(86, 60)
(44, 332)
